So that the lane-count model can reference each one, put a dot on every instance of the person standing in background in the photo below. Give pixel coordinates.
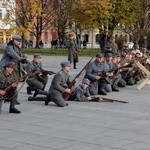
(72, 46)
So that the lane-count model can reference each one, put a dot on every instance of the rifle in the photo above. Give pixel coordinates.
(118, 68)
(66, 95)
(10, 86)
(102, 99)
(45, 72)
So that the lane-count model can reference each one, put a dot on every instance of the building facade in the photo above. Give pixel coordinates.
(5, 36)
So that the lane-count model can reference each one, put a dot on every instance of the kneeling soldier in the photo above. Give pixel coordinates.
(59, 85)
(8, 77)
(38, 76)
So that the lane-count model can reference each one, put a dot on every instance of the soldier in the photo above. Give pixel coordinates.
(82, 93)
(7, 78)
(111, 46)
(116, 62)
(95, 73)
(38, 76)
(59, 85)
(112, 79)
(13, 53)
(71, 44)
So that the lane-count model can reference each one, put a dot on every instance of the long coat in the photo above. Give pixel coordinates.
(12, 53)
(72, 50)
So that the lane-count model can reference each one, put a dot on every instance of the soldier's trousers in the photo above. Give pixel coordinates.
(39, 83)
(116, 80)
(57, 99)
(12, 97)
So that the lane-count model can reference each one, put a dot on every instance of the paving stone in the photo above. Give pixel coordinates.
(80, 126)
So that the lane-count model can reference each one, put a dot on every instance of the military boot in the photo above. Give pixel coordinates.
(14, 110)
(29, 91)
(38, 91)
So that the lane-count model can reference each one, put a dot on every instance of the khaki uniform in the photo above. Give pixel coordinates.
(5, 81)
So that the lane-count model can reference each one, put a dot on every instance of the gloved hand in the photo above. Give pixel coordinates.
(23, 61)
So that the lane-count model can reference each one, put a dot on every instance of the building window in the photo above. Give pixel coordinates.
(7, 14)
(86, 37)
(97, 38)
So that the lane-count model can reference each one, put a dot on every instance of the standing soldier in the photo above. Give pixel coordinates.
(59, 85)
(13, 53)
(111, 46)
(9, 78)
(38, 76)
(71, 44)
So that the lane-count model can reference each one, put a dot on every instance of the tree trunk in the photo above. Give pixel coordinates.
(23, 41)
(38, 32)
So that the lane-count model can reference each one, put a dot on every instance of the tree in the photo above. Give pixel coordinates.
(105, 15)
(33, 16)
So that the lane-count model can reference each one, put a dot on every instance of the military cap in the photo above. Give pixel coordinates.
(99, 55)
(16, 37)
(65, 64)
(9, 64)
(86, 81)
(37, 56)
(109, 55)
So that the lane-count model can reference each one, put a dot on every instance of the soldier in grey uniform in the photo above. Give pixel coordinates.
(95, 73)
(13, 53)
(111, 46)
(71, 44)
(59, 85)
(38, 77)
(116, 63)
(112, 79)
(82, 93)
(8, 77)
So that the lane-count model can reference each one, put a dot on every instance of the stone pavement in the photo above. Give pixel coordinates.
(79, 126)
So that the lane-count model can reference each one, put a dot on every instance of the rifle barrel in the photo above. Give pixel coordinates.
(114, 100)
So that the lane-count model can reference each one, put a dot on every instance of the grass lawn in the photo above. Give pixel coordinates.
(58, 52)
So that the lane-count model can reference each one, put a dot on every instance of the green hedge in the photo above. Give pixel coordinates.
(58, 52)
